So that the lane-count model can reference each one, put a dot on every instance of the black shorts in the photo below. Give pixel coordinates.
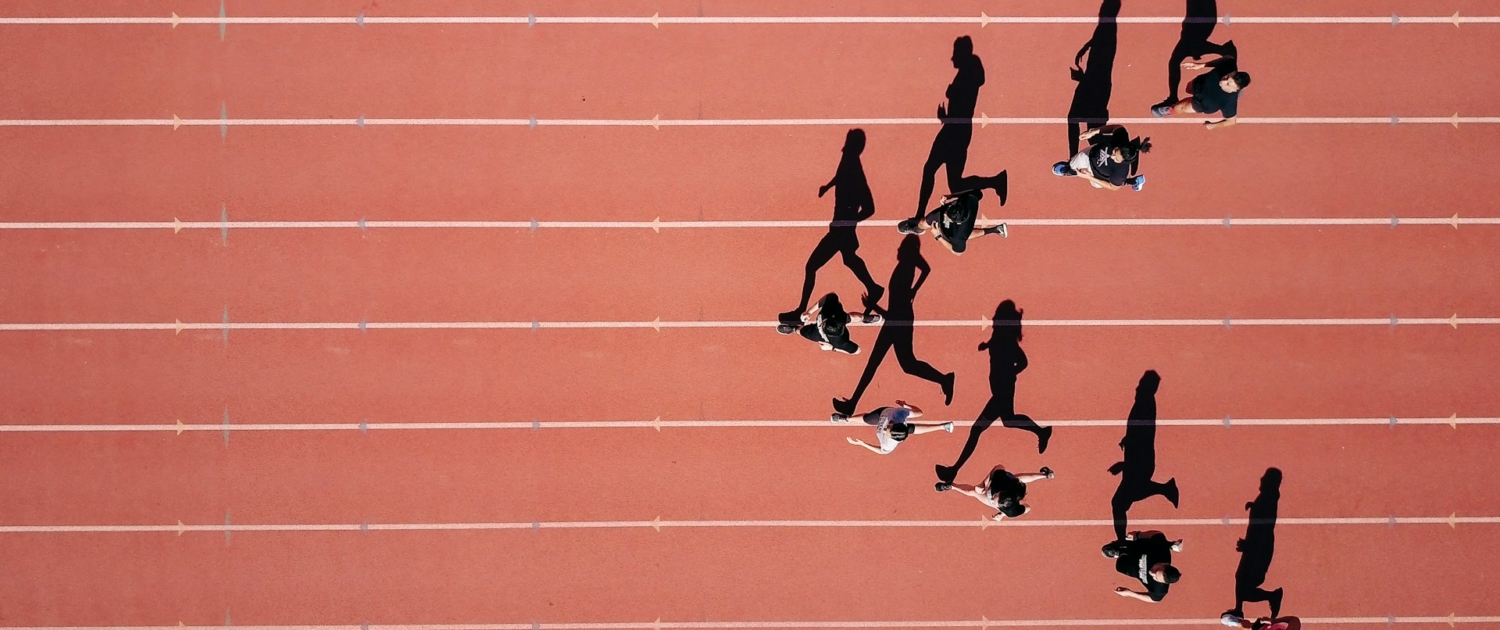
(840, 343)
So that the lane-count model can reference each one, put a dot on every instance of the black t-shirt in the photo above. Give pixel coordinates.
(958, 232)
(1102, 162)
(1209, 97)
(1138, 556)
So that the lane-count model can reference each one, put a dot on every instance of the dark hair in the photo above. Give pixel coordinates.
(1241, 79)
(959, 210)
(1132, 150)
(834, 316)
(1171, 574)
(899, 431)
(1007, 491)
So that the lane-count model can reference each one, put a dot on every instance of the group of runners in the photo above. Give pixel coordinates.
(1111, 160)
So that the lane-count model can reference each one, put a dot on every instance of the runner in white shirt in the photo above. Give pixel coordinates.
(892, 426)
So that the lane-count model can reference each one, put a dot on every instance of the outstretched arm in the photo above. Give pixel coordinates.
(938, 236)
(1125, 592)
(1101, 182)
(859, 442)
(1215, 124)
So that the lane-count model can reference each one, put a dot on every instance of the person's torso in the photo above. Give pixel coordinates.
(1101, 160)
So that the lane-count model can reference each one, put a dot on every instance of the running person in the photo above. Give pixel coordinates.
(1000, 490)
(1214, 92)
(1109, 160)
(1147, 557)
(952, 223)
(828, 324)
(891, 426)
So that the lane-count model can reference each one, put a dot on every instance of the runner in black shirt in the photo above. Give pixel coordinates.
(828, 325)
(1109, 160)
(1001, 490)
(1217, 91)
(953, 222)
(1147, 557)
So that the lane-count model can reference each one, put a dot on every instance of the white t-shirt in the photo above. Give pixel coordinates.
(889, 416)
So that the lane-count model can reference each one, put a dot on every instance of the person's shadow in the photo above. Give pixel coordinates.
(896, 332)
(1257, 547)
(1197, 26)
(852, 202)
(1007, 360)
(1095, 79)
(1138, 463)
(950, 149)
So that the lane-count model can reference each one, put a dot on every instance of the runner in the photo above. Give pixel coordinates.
(892, 426)
(952, 223)
(1109, 161)
(1216, 91)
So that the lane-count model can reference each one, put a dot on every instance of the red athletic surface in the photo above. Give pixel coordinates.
(758, 173)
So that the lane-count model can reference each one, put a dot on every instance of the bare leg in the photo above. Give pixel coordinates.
(928, 427)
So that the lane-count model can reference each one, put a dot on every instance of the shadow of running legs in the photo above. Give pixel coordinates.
(1007, 360)
(896, 332)
(1257, 547)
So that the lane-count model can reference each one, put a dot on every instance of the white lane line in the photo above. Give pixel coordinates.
(1453, 321)
(657, 20)
(658, 225)
(1452, 421)
(657, 524)
(657, 122)
(980, 623)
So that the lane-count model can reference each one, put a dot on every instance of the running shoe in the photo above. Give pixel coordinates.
(908, 226)
(943, 486)
(1230, 619)
(997, 229)
(1061, 169)
(872, 318)
(1139, 183)
(948, 426)
(838, 417)
(1161, 111)
(788, 322)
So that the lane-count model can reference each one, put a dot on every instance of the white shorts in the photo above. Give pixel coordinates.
(1081, 164)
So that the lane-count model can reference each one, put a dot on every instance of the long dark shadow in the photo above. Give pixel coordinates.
(1007, 360)
(896, 332)
(1257, 547)
(852, 202)
(1197, 26)
(1138, 463)
(950, 149)
(1095, 78)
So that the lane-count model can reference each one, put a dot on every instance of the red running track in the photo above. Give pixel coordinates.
(748, 572)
